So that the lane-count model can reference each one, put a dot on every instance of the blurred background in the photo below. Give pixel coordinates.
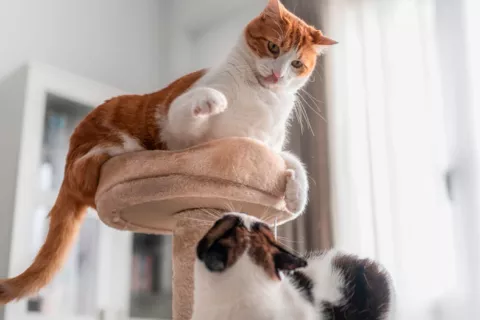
(389, 132)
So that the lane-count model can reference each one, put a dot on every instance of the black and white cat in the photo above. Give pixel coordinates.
(242, 272)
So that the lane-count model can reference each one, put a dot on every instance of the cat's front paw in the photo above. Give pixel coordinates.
(208, 102)
(296, 191)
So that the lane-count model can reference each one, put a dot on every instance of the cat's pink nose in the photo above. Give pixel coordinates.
(276, 75)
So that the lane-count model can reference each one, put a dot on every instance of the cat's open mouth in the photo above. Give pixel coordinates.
(267, 82)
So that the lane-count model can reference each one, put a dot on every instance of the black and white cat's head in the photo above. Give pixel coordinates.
(238, 240)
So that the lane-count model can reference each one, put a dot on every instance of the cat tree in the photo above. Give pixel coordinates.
(182, 192)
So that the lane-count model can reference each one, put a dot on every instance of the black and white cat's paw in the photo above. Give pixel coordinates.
(207, 102)
(296, 192)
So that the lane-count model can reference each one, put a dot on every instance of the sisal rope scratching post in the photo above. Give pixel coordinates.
(181, 192)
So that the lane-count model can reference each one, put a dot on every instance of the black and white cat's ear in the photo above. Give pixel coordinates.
(286, 261)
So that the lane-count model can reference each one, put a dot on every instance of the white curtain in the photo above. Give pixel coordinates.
(404, 169)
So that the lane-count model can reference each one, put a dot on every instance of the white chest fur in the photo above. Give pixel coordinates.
(252, 111)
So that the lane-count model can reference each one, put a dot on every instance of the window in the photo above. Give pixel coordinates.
(403, 152)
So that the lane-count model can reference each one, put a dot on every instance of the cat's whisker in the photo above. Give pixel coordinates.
(299, 115)
(203, 224)
(291, 249)
(200, 220)
(299, 119)
(315, 110)
(317, 72)
(240, 208)
(298, 105)
(310, 95)
(314, 101)
(210, 213)
(266, 216)
(230, 206)
(307, 119)
(269, 217)
(264, 213)
(311, 108)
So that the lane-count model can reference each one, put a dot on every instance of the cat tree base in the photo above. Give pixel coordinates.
(183, 192)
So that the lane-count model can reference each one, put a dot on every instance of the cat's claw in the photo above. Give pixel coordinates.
(208, 102)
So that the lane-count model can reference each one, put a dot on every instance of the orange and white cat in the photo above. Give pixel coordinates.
(250, 94)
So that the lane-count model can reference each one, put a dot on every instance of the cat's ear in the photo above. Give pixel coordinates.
(286, 261)
(273, 8)
(320, 42)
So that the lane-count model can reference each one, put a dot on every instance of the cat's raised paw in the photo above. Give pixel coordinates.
(208, 102)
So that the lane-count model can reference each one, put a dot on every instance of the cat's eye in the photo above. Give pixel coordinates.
(297, 64)
(274, 48)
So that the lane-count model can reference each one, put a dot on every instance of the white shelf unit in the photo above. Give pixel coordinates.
(40, 106)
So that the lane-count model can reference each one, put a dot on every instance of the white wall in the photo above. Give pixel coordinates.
(121, 43)
(204, 31)
(213, 44)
